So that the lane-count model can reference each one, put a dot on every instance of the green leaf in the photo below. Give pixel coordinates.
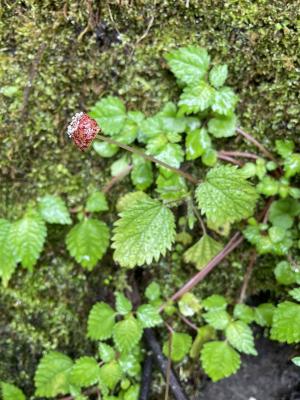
(128, 133)
(264, 314)
(52, 375)
(104, 149)
(106, 352)
(53, 210)
(240, 336)
(110, 374)
(130, 364)
(119, 165)
(110, 113)
(218, 75)
(27, 237)
(295, 293)
(148, 316)
(222, 126)
(189, 64)
(226, 196)
(196, 143)
(96, 202)
(171, 187)
(180, 346)
(214, 302)
(152, 291)
(292, 165)
(85, 372)
(101, 321)
(205, 333)
(144, 232)
(202, 252)
(219, 360)
(132, 393)
(130, 199)
(286, 323)
(218, 319)
(8, 261)
(296, 361)
(172, 154)
(285, 148)
(282, 212)
(189, 305)
(196, 98)
(244, 313)
(123, 305)
(285, 274)
(141, 174)
(127, 334)
(11, 392)
(87, 242)
(224, 101)
(210, 157)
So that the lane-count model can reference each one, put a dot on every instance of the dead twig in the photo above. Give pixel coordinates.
(247, 276)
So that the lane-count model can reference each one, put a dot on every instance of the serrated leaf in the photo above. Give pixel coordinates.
(105, 149)
(110, 113)
(285, 148)
(219, 360)
(96, 202)
(189, 305)
(224, 101)
(87, 242)
(218, 75)
(218, 319)
(152, 291)
(244, 313)
(189, 64)
(123, 305)
(226, 196)
(127, 334)
(286, 323)
(130, 364)
(85, 372)
(171, 154)
(263, 314)
(110, 374)
(145, 231)
(196, 143)
(53, 210)
(196, 98)
(295, 293)
(130, 199)
(11, 392)
(27, 238)
(282, 212)
(141, 174)
(171, 187)
(8, 261)
(285, 274)
(148, 316)
(202, 252)
(240, 336)
(214, 302)
(101, 321)
(222, 126)
(180, 346)
(52, 375)
(106, 352)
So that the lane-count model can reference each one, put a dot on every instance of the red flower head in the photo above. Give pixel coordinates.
(83, 130)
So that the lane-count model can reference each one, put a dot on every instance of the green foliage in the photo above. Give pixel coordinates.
(110, 113)
(27, 237)
(123, 305)
(240, 336)
(189, 305)
(180, 346)
(144, 232)
(87, 242)
(285, 274)
(152, 291)
(202, 252)
(53, 210)
(226, 196)
(110, 374)
(101, 321)
(52, 375)
(85, 372)
(219, 360)
(196, 98)
(148, 316)
(214, 302)
(222, 126)
(8, 260)
(218, 319)
(295, 293)
(11, 392)
(296, 361)
(106, 352)
(218, 75)
(263, 314)
(96, 202)
(244, 313)
(286, 322)
(127, 333)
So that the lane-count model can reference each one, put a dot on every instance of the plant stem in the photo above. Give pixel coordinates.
(235, 241)
(247, 276)
(149, 158)
(256, 143)
(188, 322)
(117, 178)
(225, 157)
(243, 154)
(199, 219)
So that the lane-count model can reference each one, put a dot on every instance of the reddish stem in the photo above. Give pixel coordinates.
(224, 157)
(247, 277)
(243, 154)
(251, 139)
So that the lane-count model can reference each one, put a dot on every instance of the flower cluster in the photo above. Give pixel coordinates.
(82, 130)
